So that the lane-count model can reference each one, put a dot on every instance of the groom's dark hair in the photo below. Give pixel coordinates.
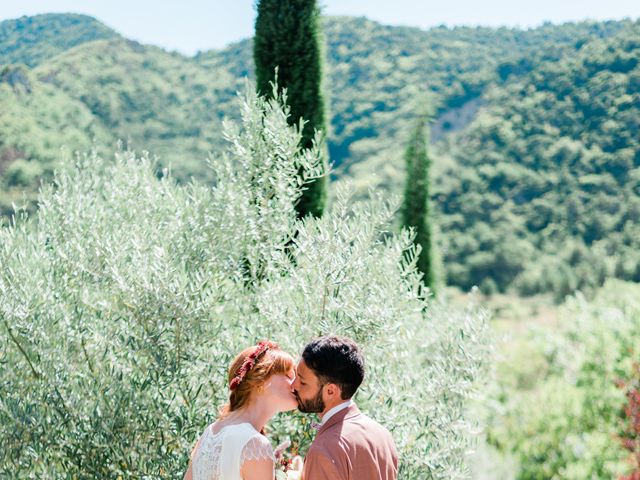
(336, 360)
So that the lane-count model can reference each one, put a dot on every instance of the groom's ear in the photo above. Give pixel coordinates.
(333, 390)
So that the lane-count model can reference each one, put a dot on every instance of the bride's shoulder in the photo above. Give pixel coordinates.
(220, 425)
(258, 447)
(216, 426)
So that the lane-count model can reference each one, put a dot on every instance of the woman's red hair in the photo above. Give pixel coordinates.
(273, 362)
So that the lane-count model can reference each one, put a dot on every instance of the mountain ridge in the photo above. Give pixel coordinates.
(32, 39)
(377, 77)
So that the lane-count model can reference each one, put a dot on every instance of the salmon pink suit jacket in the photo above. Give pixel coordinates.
(351, 446)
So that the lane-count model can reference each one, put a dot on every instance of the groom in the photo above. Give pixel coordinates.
(349, 445)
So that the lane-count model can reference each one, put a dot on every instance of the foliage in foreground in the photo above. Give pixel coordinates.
(630, 435)
(561, 414)
(125, 296)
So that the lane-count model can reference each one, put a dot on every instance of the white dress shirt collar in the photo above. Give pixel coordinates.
(335, 410)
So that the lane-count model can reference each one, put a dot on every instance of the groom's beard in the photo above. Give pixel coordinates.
(315, 405)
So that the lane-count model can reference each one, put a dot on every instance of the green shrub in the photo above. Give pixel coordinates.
(22, 173)
(125, 296)
(564, 424)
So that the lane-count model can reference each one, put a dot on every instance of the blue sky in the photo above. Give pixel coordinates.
(192, 25)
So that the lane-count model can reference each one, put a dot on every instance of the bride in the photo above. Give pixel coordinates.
(234, 447)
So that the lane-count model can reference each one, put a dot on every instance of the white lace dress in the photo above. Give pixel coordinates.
(220, 456)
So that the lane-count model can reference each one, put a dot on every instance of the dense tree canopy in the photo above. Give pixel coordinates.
(534, 141)
(32, 40)
(543, 191)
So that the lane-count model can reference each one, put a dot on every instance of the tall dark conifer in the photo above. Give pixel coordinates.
(415, 209)
(288, 36)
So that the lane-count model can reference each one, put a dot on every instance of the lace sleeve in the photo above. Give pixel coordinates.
(258, 448)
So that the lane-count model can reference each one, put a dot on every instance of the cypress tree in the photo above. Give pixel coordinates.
(415, 208)
(288, 36)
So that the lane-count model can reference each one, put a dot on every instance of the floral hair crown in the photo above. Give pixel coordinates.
(249, 362)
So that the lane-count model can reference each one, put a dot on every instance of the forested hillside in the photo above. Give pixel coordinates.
(36, 121)
(378, 75)
(158, 101)
(543, 193)
(32, 40)
(535, 132)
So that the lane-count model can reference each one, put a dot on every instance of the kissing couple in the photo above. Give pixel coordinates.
(265, 380)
